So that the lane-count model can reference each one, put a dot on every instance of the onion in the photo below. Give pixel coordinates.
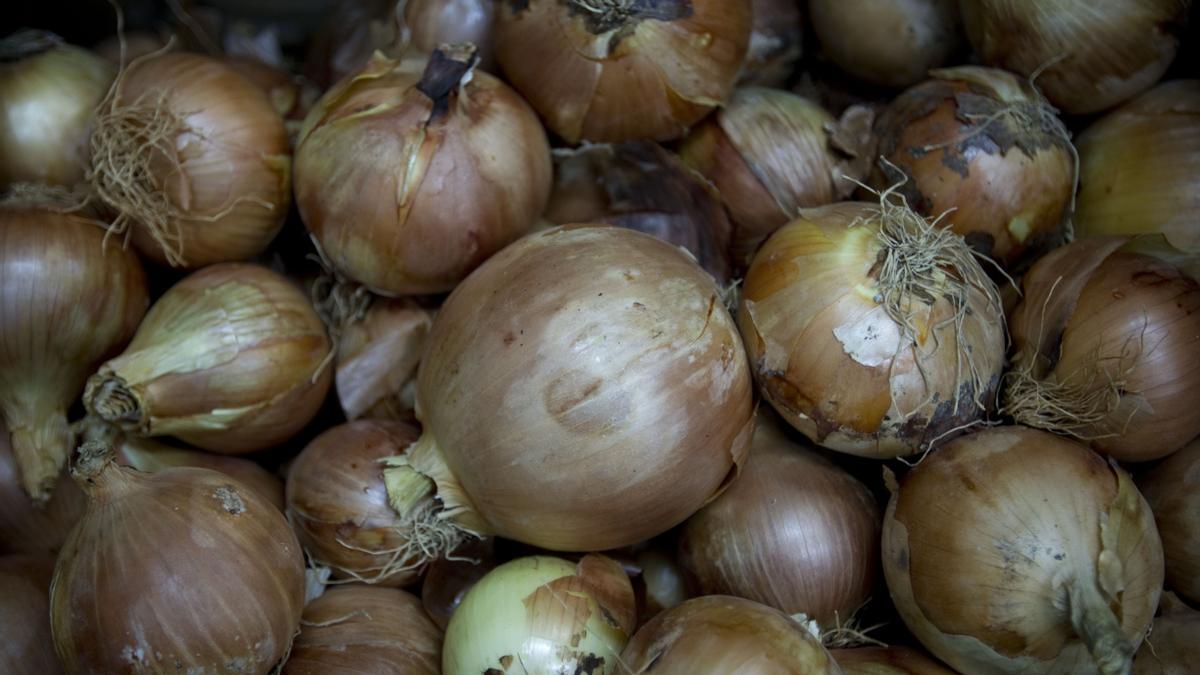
(434, 23)
(180, 569)
(543, 615)
(1105, 343)
(718, 634)
(1171, 647)
(1013, 550)
(887, 661)
(872, 331)
(641, 186)
(618, 70)
(986, 145)
(1086, 57)
(447, 580)
(1138, 168)
(409, 180)
(794, 532)
(67, 302)
(283, 90)
(377, 360)
(583, 390)
(231, 359)
(769, 153)
(352, 32)
(48, 90)
(1173, 490)
(339, 507)
(661, 584)
(776, 34)
(361, 629)
(24, 527)
(27, 648)
(193, 157)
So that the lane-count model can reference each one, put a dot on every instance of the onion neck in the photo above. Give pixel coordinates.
(41, 441)
(447, 68)
(1099, 628)
(111, 399)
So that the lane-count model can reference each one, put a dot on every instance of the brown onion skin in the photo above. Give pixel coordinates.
(369, 630)
(24, 527)
(437, 22)
(1009, 183)
(484, 177)
(887, 661)
(335, 493)
(447, 581)
(27, 648)
(776, 38)
(1094, 56)
(1173, 490)
(794, 532)
(377, 360)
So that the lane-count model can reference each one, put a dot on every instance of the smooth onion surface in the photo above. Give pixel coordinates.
(376, 375)
(27, 648)
(887, 661)
(1173, 490)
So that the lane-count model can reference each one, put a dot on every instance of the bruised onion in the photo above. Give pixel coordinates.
(364, 629)
(871, 330)
(377, 360)
(776, 34)
(718, 634)
(887, 661)
(1014, 550)
(176, 570)
(793, 532)
(1173, 490)
(1106, 343)
(1171, 647)
(984, 144)
(27, 648)
(28, 528)
(194, 160)
(619, 70)
(448, 579)
(584, 389)
(769, 153)
(232, 359)
(1086, 57)
(433, 23)
(67, 302)
(408, 180)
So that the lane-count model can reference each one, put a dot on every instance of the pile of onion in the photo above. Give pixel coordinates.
(619, 70)
(793, 532)
(584, 389)
(985, 145)
(377, 360)
(887, 661)
(1173, 490)
(871, 330)
(1106, 342)
(69, 301)
(180, 569)
(776, 35)
(409, 179)
(1085, 57)
(1171, 647)
(232, 359)
(27, 648)
(1015, 550)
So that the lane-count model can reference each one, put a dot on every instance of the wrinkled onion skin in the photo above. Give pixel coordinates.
(887, 661)
(27, 648)
(1173, 490)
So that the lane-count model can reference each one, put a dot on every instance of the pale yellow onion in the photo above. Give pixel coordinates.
(1088, 56)
(433, 23)
(1139, 168)
(891, 43)
(543, 614)
(27, 648)
(776, 36)
(1171, 648)
(872, 331)
(618, 70)
(1173, 490)
(377, 360)
(232, 359)
(887, 661)
(1013, 550)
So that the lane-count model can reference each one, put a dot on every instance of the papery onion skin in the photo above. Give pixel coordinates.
(365, 629)
(1171, 647)
(887, 661)
(1003, 546)
(1139, 168)
(981, 144)
(232, 359)
(377, 360)
(720, 634)
(776, 38)
(338, 504)
(793, 532)
(1173, 490)
(211, 577)
(27, 528)
(1087, 57)
(890, 43)
(68, 300)
(407, 196)
(829, 357)
(617, 397)
(622, 71)
(27, 648)
(434, 23)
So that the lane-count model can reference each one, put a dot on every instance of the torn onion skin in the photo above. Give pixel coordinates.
(27, 648)
(890, 660)
(1173, 490)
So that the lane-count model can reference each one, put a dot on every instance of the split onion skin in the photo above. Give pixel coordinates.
(27, 648)
(1173, 490)
(887, 661)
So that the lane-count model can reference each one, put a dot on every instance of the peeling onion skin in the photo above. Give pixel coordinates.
(632, 71)
(1109, 52)
(370, 629)
(616, 397)
(720, 634)
(1173, 490)
(887, 661)
(27, 648)
(1002, 546)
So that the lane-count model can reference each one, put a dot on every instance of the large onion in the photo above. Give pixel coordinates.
(1139, 167)
(24, 526)
(985, 145)
(1173, 490)
(871, 330)
(1013, 550)
(27, 648)
(775, 43)
(409, 179)
(181, 569)
(377, 360)
(585, 389)
(1088, 57)
(887, 661)
(67, 302)
(793, 532)
(1171, 647)
(1106, 343)
(232, 359)
(619, 70)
